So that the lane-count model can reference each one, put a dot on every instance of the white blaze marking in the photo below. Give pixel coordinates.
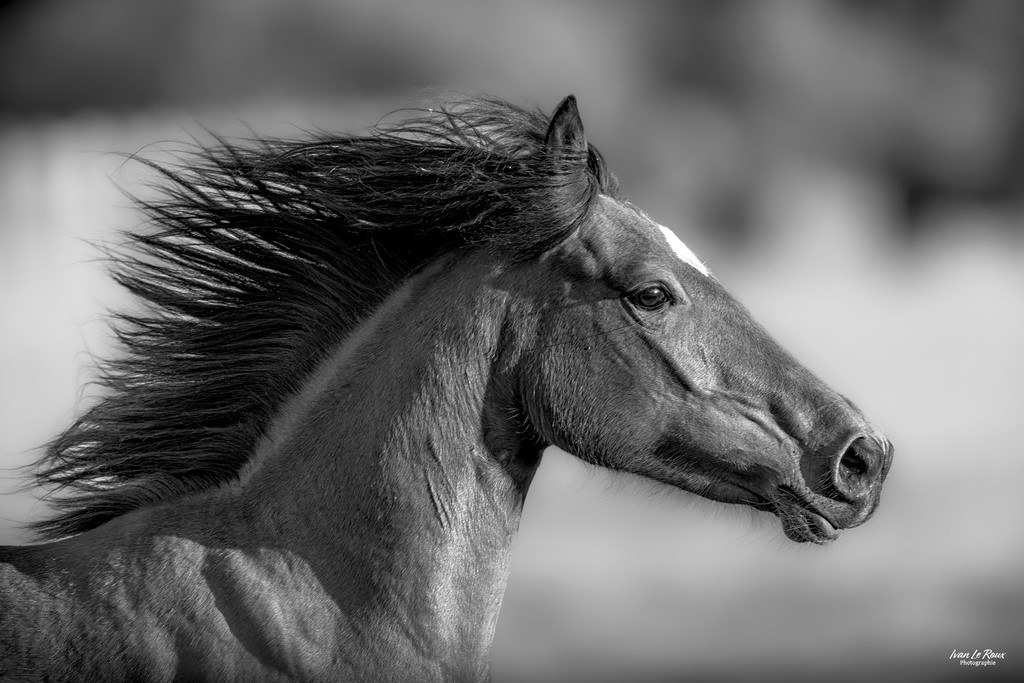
(683, 251)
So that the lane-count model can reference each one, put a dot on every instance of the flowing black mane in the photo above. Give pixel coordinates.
(261, 257)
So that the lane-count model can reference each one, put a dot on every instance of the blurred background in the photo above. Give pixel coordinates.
(852, 170)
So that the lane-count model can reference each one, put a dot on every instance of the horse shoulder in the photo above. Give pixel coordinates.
(231, 608)
(184, 610)
(111, 602)
(135, 597)
(32, 624)
(277, 608)
(63, 613)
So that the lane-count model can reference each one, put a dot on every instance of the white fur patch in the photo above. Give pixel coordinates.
(683, 251)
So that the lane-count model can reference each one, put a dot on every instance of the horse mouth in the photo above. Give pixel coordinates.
(805, 526)
(801, 522)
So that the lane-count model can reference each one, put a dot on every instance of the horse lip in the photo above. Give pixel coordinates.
(801, 520)
(808, 526)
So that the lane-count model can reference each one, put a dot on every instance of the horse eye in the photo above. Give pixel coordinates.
(650, 298)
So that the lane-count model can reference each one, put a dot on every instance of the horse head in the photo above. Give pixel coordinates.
(636, 358)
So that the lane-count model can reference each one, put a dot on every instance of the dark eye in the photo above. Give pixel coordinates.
(651, 297)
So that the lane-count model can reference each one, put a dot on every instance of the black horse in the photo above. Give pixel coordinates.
(312, 455)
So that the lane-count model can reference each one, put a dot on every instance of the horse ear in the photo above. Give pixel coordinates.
(565, 132)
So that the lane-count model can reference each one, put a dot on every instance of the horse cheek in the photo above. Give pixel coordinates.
(583, 403)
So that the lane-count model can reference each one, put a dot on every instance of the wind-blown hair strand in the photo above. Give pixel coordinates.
(261, 257)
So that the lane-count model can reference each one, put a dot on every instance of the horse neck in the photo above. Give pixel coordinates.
(398, 475)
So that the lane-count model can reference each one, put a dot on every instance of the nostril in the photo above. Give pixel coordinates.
(852, 463)
(856, 471)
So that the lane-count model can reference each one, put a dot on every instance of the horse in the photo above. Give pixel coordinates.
(312, 449)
